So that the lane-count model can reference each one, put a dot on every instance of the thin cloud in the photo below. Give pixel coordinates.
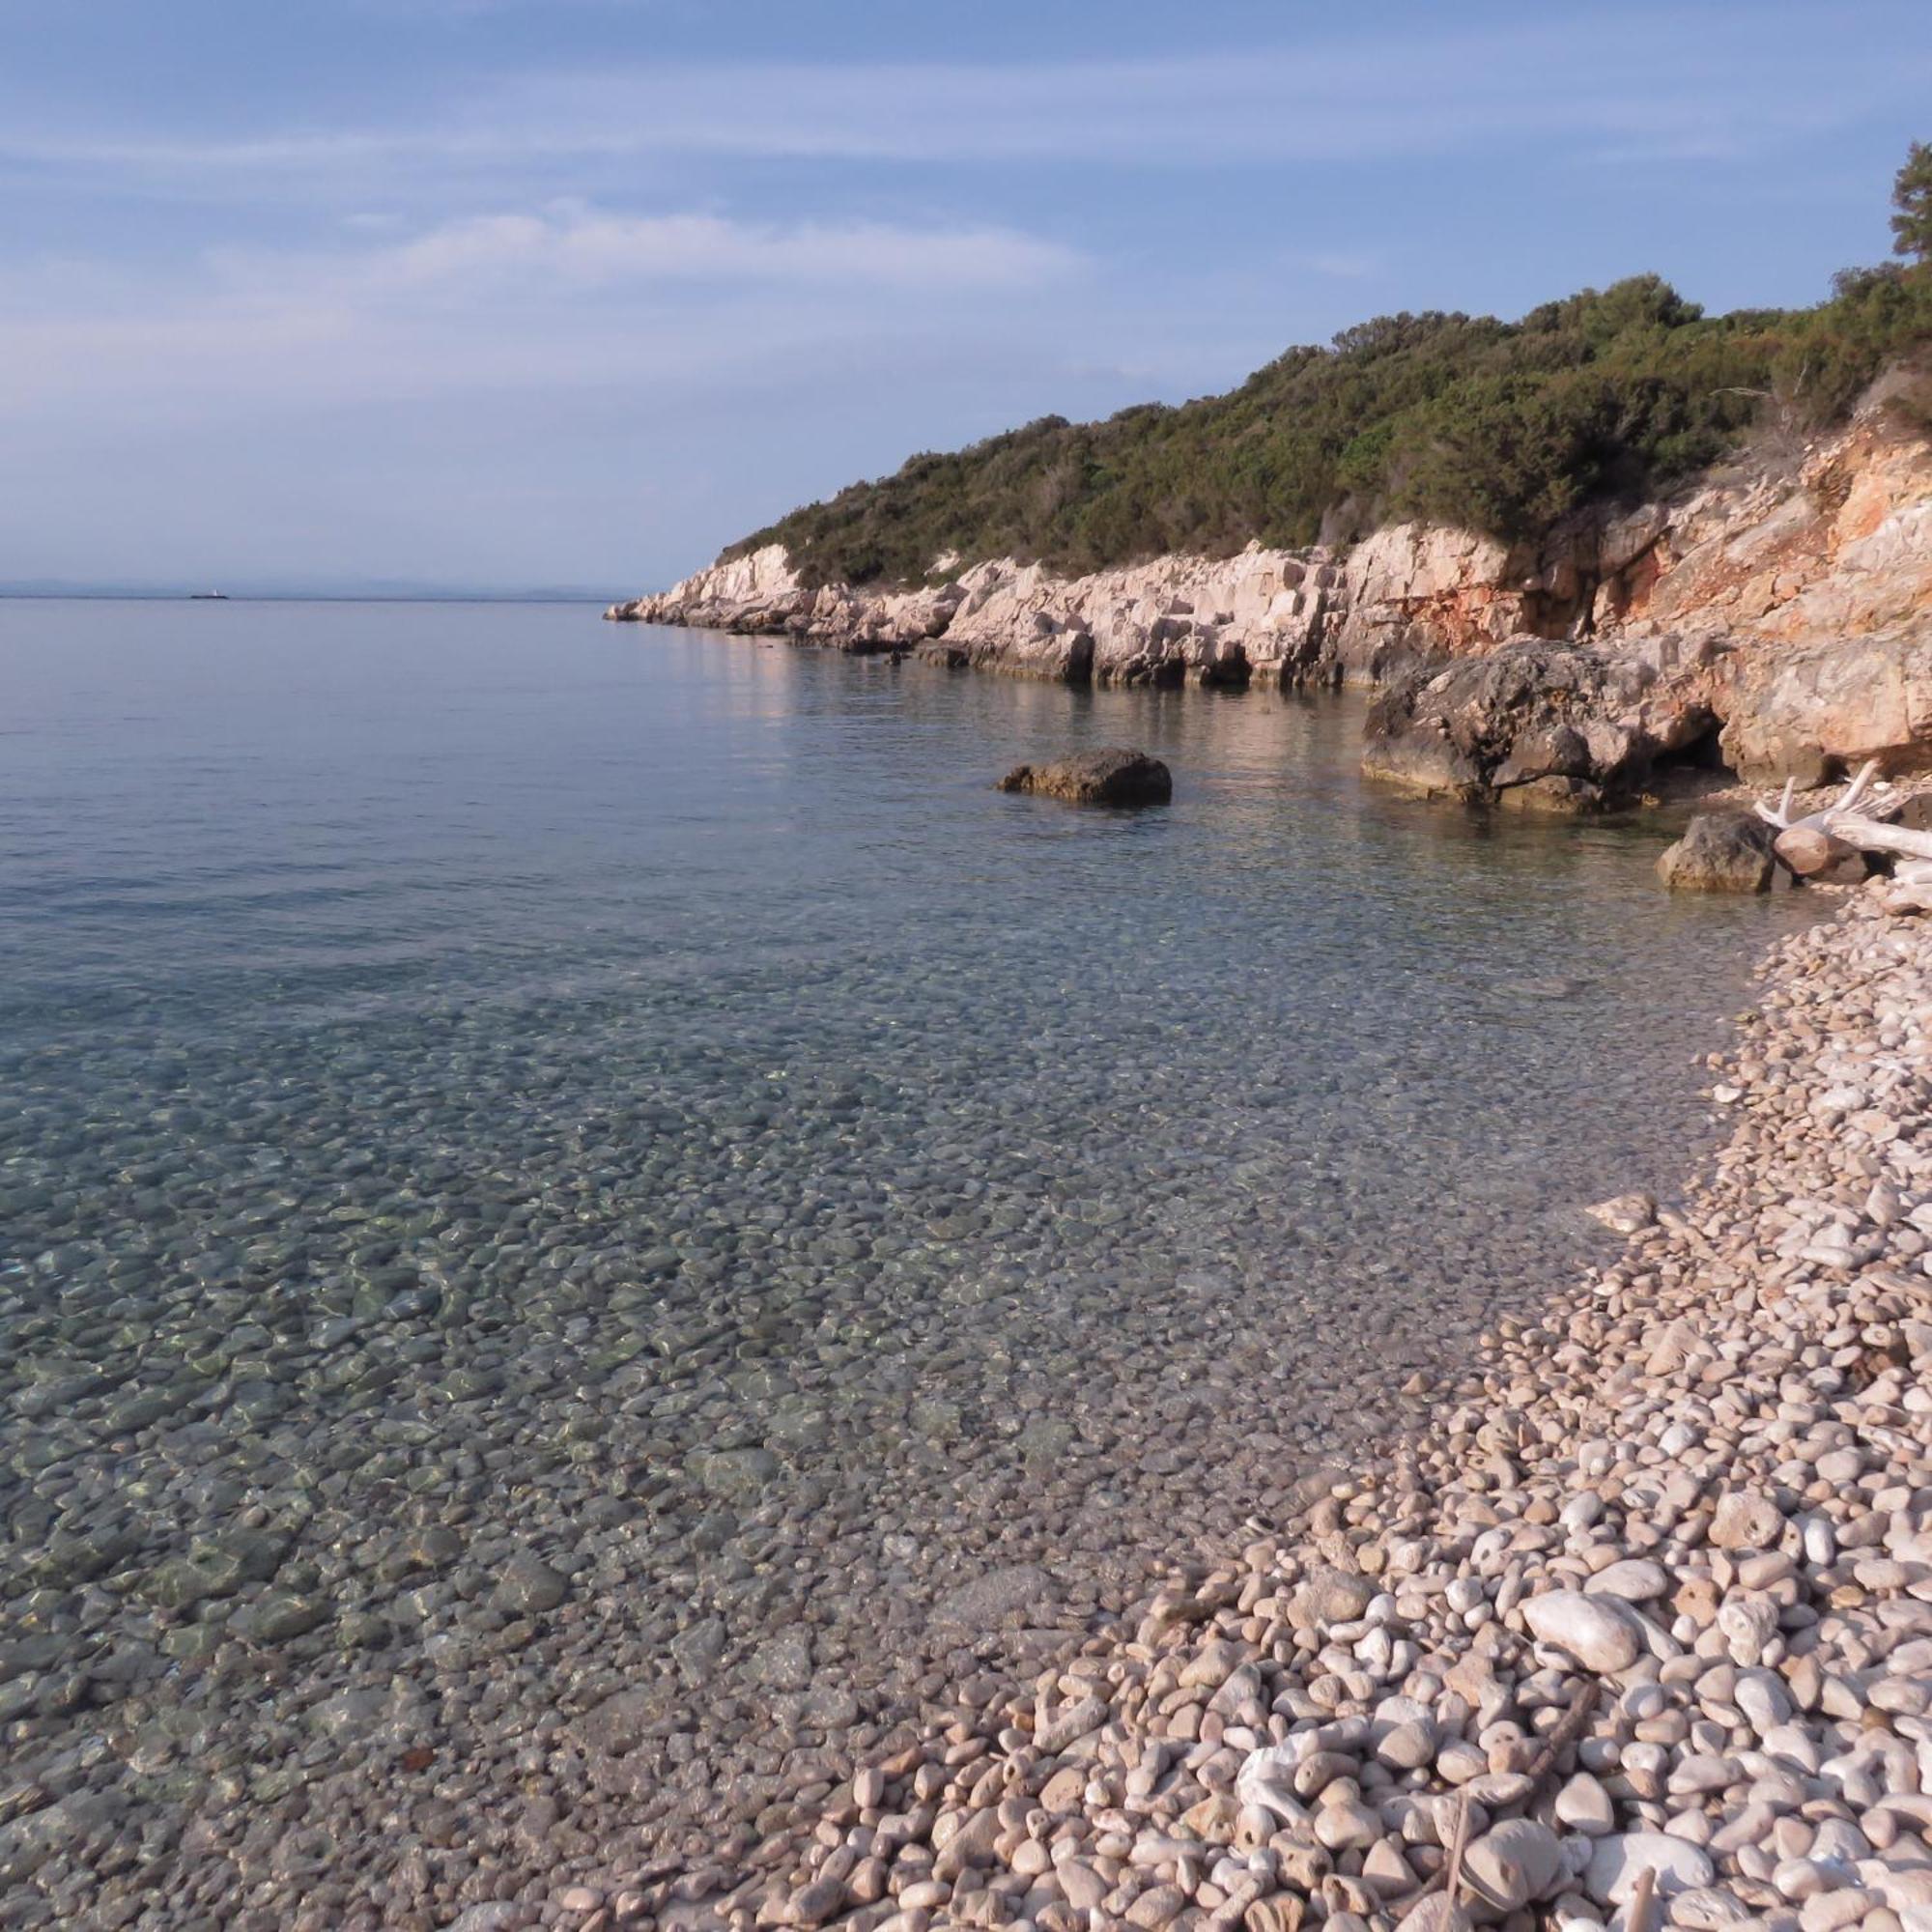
(804, 268)
(1332, 100)
(585, 247)
(564, 294)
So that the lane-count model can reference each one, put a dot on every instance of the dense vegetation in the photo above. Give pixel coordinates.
(1500, 425)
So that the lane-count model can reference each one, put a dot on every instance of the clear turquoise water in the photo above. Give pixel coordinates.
(644, 1102)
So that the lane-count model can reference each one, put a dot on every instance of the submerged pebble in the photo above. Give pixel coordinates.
(1392, 1709)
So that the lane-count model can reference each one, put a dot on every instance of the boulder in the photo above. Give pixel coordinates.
(969, 1846)
(1720, 852)
(1625, 1213)
(1747, 1520)
(1616, 1863)
(1634, 1579)
(996, 1597)
(1437, 1913)
(1331, 1597)
(1266, 1781)
(1115, 775)
(1826, 706)
(1543, 726)
(1514, 1863)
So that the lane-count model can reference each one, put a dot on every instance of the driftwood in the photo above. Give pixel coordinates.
(1813, 845)
(1567, 1729)
(1459, 1843)
(1642, 1914)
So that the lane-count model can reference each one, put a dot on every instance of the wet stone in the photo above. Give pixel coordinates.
(526, 1584)
(276, 1619)
(784, 1663)
(177, 1585)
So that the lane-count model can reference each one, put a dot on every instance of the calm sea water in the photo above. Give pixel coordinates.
(544, 1160)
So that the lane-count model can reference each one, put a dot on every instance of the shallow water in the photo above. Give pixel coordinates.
(594, 1203)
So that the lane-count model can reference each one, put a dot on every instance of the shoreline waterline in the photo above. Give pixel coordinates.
(1653, 1574)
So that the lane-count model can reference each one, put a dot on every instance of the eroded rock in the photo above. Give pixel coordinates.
(1791, 611)
(1539, 726)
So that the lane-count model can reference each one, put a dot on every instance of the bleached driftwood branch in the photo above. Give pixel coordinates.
(1820, 839)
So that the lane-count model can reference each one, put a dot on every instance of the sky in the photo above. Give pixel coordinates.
(493, 294)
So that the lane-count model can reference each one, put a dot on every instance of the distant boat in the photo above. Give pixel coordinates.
(207, 596)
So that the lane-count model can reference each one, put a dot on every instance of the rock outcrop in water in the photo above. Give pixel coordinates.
(1112, 777)
(1779, 619)
(1177, 619)
(1720, 852)
(1540, 726)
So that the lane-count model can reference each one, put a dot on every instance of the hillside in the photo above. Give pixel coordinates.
(1497, 427)
(1637, 537)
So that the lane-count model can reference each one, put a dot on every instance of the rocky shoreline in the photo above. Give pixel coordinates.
(1772, 621)
(1639, 1628)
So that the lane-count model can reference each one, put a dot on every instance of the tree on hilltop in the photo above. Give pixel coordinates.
(1912, 197)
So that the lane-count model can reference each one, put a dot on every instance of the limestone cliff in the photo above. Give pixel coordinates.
(1787, 607)
(1263, 614)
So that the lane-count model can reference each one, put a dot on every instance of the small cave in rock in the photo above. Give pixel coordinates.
(1695, 766)
(1701, 752)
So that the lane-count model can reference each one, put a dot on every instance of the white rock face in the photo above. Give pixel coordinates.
(1210, 621)
(1451, 584)
(1281, 616)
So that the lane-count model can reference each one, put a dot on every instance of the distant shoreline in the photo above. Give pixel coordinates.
(587, 599)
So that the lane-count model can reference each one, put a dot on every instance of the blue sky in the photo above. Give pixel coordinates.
(511, 291)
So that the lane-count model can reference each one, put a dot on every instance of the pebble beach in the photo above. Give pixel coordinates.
(1169, 1170)
(1637, 1630)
